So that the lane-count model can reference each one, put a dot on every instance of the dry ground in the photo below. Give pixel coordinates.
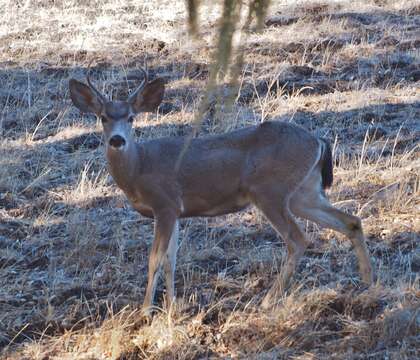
(73, 254)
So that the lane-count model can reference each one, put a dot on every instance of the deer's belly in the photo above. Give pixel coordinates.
(223, 210)
(143, 209)
(209, 207)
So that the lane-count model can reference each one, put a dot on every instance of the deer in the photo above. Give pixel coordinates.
(279, 167)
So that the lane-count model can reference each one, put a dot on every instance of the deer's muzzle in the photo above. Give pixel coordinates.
(117, 141)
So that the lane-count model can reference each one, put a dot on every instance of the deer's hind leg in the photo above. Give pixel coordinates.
(274, 205)
(310, 203)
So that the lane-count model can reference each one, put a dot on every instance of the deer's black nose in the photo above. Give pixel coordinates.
(117, 141)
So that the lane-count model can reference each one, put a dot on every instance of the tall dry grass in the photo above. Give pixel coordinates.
(73, 253)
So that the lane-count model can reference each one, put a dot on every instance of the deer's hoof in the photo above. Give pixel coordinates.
(267, 302)
(270, 300)
(273, 296)
(147, 312)
(367, 276)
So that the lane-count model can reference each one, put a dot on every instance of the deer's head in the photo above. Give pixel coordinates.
(117, 116)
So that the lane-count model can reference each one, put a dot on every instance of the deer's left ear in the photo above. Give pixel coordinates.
(150, 98)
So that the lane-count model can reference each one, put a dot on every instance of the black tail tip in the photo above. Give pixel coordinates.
(327, 165)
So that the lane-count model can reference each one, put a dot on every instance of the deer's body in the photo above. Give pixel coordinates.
(217, 173)
(278, 167)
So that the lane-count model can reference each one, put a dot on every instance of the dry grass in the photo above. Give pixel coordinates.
(73, 254)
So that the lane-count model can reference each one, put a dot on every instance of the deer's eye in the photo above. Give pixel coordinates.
(104, 119)
(131, 119)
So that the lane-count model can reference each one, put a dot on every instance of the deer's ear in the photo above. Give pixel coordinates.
(150, 98)
(84, 98)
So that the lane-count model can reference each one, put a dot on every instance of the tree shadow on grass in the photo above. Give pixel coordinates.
(24, 111)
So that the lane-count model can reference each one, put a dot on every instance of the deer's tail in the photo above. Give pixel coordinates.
(326, 164)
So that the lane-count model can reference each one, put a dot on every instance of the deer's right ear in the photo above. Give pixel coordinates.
(84, 98)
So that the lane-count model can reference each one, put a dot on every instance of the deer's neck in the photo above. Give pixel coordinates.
(124, 166)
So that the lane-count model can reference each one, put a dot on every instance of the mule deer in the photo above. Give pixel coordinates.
(278, 167)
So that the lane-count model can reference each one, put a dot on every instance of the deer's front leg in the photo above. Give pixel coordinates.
(164, 227)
